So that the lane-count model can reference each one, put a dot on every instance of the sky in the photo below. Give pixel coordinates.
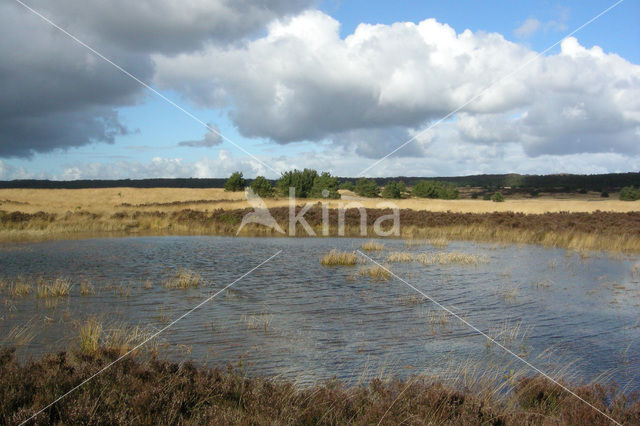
(356, 88)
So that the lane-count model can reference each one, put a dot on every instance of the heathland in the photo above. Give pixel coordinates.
(578, 221)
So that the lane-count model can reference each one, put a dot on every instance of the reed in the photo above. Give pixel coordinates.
(184, 279)
(375, 272)
(57, 288)
(341, 258)
(372, 246)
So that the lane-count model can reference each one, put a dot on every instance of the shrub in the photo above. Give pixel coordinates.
(604, 194)
(347, 185)
(497, 197)
(262, 187)
(486, 197)
(435, 189)
(301, 180)
(235, 182)
(324, 186)
(629, 193)
(366, 188)
(393, 190)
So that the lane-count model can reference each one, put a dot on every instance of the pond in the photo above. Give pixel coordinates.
(571, 314)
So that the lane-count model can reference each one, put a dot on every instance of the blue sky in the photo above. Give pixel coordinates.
(155, 128)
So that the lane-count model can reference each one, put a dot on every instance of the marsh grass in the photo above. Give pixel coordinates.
(375, 272)
(257, 321)
(147, 285)
(184, 279)
(20, 335)
(19, 288)
(86, 288)
(372, 246)
(439, 242)
(508, 292)
(339, 258)
(448, 258)
(511, 335)
(94, 334)
(59, 287)
(400, 256)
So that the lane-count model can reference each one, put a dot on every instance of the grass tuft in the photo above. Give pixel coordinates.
(342, 258)
(375, 272)
(372, 246)
(57, 288)
(184, 279)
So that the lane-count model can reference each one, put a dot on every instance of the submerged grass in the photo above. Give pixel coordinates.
(162, 392)
(184, 279)
(57, 288)
(375, 272)
(342, 258)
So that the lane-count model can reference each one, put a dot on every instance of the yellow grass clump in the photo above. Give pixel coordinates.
(450, 258)
(372, 246)
(57, 288)
(184, 279)
(342, 258)
(401, 256)
(93, 334)
(375, 272)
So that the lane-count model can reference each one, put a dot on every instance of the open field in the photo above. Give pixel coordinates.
(162, 392)
(111, 200)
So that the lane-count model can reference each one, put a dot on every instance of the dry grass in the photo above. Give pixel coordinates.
(448, 258)
(375, 272)
(184, 279)
(20, 335)
(372, 246)
(86, 288)
(177, 211)
(342, 258)
(57, 288)
(94, 334)
(109, 200)
(19, 288)
(401, 256)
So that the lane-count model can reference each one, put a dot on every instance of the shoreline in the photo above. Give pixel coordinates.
(600, 231)
(153, 390)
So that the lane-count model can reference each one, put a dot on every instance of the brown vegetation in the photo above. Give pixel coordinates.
(161, 392)
(46, 218)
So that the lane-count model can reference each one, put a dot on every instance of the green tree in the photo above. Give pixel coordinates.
(393, 190)
(324, 186)
(347, 185)
(366, 188)
(497, 197)
(235, 182)
(629, 193)
(435, 189)
(262, 187)
(301, 180)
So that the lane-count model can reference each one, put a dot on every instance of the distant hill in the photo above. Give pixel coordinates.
(545, 183)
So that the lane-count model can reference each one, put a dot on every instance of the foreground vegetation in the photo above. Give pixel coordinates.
(161, 392)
